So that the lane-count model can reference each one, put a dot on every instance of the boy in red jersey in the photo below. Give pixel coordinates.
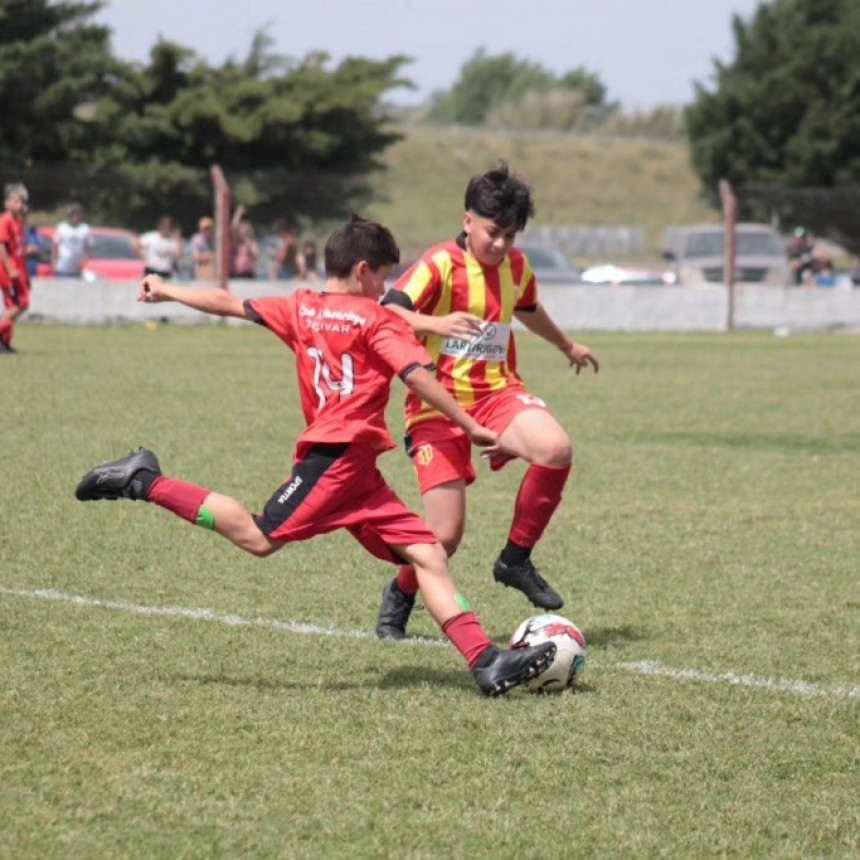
(347, 348)
(460, 298)
(14, 279)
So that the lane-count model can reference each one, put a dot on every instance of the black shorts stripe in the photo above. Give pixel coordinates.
(290, 495)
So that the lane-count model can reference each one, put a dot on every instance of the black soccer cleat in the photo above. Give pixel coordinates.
(498, 671)
(394, 612)
(526, 578)
(119, 479)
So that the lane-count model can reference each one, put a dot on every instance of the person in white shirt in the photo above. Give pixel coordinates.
(161, 248)
(73, 243)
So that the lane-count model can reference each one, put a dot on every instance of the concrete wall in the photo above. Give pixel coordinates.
(576, 308)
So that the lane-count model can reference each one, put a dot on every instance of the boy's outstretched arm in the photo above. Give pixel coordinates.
(457, 324)
(540, 323)
(426, 386)
(209, 300)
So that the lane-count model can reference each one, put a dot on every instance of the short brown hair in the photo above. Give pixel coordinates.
(360, 239)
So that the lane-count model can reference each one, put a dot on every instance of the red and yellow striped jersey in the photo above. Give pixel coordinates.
(447, 279)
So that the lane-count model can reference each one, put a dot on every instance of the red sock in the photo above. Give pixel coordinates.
(467, 635)
(6, 327)
(407, 581)
(537, 499)
(179, 497)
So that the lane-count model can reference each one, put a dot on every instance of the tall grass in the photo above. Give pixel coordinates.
(577, 179)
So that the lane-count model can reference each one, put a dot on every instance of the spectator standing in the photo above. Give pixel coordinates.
(310, 260)
(244, 248)
(286, 258)
(161, 248)
(34, 246)
(73, 243)
(202, 246)
(14, 281)
(800, 255)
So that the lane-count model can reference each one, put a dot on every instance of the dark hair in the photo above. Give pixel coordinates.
(501, 196)
(359, 239)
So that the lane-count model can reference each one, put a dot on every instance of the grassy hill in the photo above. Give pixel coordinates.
(577, 179)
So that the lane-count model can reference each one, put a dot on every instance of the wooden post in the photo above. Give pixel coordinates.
(730, 220)
(221, 193)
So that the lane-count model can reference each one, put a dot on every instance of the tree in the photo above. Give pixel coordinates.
(514, 92)
(53, 69)
(783, 120)
(134, 140)
(295, 139)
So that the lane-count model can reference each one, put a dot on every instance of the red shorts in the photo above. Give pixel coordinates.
(16, 295)
(339, 487)
(441, 451)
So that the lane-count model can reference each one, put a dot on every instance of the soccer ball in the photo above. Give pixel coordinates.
(570, 655)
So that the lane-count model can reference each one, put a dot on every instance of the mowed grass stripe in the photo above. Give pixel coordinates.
(640, 667)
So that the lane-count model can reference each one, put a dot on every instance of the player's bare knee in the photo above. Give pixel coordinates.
(562, 455)
(557, 454)
(451, 542)
(431, 558)
(257, 544)
(260, 549)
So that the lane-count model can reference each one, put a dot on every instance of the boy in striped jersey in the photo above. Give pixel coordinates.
(460, 299)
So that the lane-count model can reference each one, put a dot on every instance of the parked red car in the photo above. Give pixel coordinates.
(113, 256)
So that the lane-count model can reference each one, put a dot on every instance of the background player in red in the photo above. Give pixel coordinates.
(347, 348)
(14, 279)
(460, 298)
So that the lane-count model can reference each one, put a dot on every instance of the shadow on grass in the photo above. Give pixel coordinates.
(257, 683)
(613, 637)
(404, 677)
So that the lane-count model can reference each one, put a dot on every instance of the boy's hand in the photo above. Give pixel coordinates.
(459, 324)
(485, 438)
(580, 355)
(152, 290)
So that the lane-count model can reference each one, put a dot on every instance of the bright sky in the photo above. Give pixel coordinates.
(646, 52)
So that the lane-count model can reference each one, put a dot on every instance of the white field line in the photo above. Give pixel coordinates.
(643, 667)
(774, 685)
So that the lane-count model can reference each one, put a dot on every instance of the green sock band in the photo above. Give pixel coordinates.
(462, 602)
(205, 518)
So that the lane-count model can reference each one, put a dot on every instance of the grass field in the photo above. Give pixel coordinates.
(162, 695)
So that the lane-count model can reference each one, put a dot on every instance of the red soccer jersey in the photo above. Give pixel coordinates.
(347, 349)
(447, 279)
(12, 236)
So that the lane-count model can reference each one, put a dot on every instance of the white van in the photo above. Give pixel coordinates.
(696, 254)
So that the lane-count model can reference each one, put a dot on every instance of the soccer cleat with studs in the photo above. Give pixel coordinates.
(527, 579)
(118, 479)
(394, 612)
(498, 671)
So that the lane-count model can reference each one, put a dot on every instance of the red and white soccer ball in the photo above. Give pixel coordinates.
(569, 657)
